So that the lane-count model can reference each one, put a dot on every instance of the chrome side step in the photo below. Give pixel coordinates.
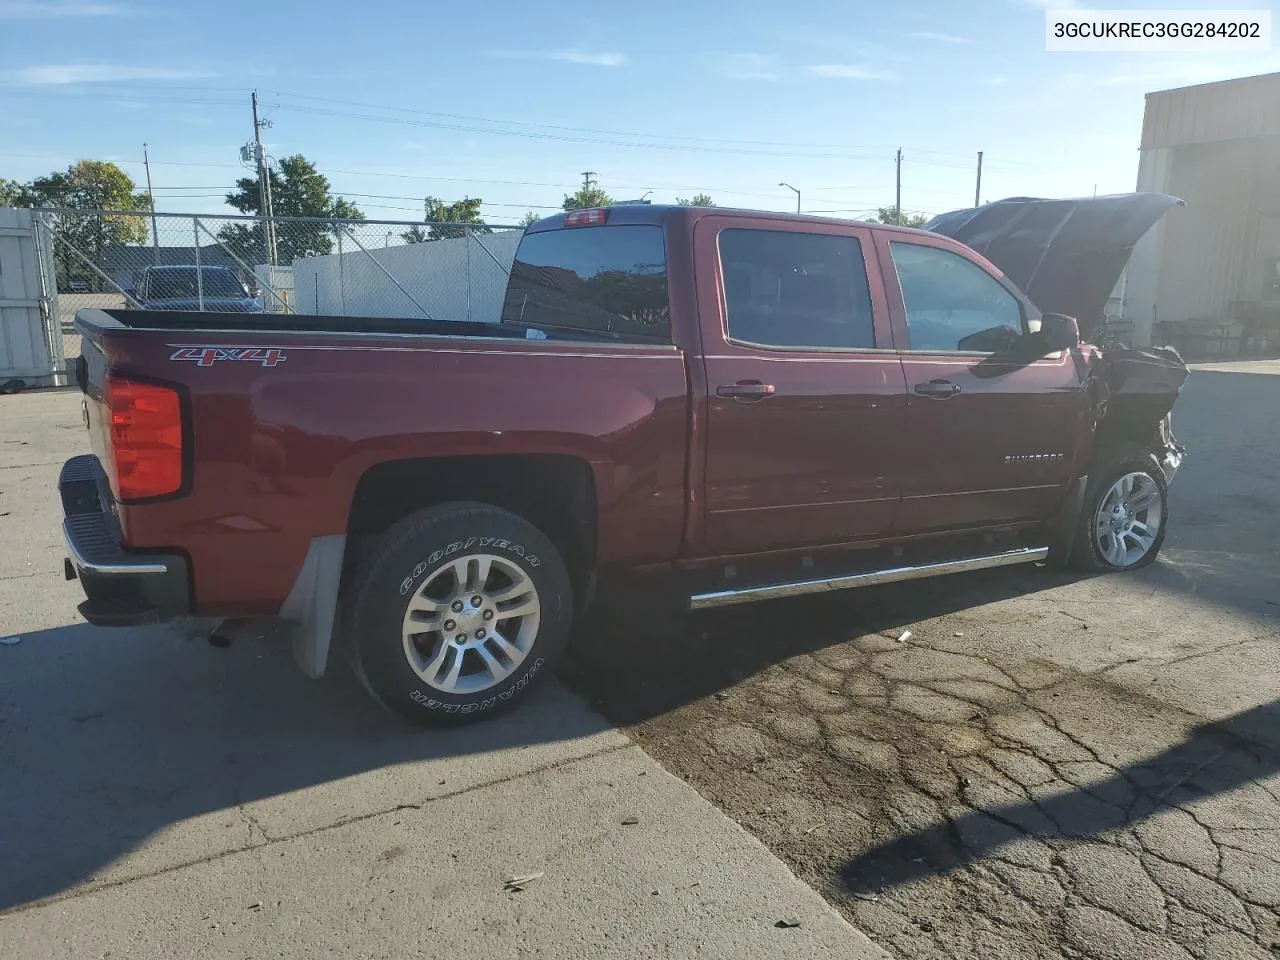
(773, 591)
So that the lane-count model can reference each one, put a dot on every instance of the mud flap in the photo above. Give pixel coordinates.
(313, 603)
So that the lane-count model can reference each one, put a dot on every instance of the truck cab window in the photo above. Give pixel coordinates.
(952, 304)
(608, 280)
(789, 289)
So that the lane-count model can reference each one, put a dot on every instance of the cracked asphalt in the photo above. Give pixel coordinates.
(1050, 766)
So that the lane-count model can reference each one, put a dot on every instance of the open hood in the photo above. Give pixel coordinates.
(1065, 255)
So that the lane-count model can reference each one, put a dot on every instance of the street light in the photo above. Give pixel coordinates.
(797, 192)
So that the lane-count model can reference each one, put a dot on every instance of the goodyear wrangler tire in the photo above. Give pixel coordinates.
(456, 613)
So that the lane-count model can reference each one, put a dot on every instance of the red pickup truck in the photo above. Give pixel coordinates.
(752, 405)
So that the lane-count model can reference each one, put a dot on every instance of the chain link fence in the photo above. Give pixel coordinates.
(245, 264)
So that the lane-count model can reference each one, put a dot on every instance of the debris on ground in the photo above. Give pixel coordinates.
(256, 906)
(787, 924)
(516, 884)
(10, 641)
(630, 821)
(722, 695)
(904, 636)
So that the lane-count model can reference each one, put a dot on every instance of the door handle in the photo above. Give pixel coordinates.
(745, 390)
(938, 389)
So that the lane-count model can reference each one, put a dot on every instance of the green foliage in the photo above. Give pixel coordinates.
(15, 194)
(465, 211)
(587, 197)
(82, 192)
(697, 200)
(529, 218)
(890, 215)
(297, 190)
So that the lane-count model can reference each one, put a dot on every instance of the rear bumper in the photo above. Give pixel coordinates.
(122, 588)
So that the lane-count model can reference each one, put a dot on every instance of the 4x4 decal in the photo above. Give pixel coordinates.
(204, 356)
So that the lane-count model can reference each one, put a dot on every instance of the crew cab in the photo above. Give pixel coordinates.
(746, 405)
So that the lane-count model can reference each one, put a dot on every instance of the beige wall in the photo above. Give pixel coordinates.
(1202, 258)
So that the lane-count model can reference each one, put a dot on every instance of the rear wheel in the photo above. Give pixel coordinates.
(456, 612)
(1125, 513)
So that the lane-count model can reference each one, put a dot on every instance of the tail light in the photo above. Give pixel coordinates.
(593, 217)
(146, 438)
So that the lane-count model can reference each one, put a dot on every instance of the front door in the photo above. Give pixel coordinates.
(805, 394)
(992, 439)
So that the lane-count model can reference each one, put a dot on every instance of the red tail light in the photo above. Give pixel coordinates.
(594, 217)
(146, 438)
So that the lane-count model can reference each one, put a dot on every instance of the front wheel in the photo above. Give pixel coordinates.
(456, 613)
(1125, 513)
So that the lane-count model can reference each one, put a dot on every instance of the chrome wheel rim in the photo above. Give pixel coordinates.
(471, 623)
(1128, 519)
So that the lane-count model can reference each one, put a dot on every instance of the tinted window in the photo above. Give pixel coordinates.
(952, 303)
(787, 289)
(180, 284)
(608, 280)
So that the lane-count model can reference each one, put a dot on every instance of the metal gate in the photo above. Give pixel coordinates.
(30, 355)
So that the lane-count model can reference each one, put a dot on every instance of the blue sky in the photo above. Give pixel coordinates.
(511, 101)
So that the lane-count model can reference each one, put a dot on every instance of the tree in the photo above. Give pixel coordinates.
(529, 218)
(297, 190)
(588, 195)
(697, 200)
(15, 194)
(438, 212)
(81, 193)
(890, 215)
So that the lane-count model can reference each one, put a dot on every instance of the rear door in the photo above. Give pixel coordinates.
(992, 439)
(805, 392)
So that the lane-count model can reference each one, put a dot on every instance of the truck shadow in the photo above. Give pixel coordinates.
(109, 738)
(1214, 759)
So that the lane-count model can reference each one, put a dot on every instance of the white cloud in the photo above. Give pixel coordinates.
(592, 58)
(58, 9)
(62, 74)
(941, 37)
(849, 71)
(749, 66)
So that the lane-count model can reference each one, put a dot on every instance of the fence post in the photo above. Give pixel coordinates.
(342, 269)
(466, 239)
(195, 231)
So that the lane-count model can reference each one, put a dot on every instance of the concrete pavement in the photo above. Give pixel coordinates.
(163, 798)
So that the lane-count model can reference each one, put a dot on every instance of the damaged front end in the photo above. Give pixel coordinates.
(1133, 393)
(1067, 256)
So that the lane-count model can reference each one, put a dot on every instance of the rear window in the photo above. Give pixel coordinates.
(180, 284)
(610, 281)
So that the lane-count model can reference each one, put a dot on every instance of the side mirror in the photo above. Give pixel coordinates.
(1059, 332)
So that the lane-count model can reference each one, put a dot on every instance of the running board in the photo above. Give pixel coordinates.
(725, 598)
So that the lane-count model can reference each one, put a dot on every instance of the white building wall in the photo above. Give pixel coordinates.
(459, 279)
(1142, 274)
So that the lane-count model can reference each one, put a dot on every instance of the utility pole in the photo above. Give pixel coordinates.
(264, 183)
(977, 190)
(588, 177)
(897, 202)
(155, 235)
